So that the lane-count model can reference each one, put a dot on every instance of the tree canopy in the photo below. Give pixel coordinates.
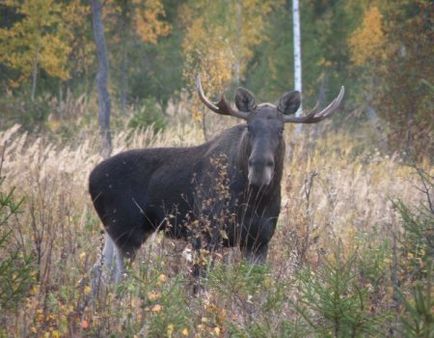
(381, 50)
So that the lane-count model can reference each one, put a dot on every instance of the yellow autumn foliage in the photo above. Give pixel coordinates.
(367, 41)
(219, 46)
(147, 19)
(41, 39)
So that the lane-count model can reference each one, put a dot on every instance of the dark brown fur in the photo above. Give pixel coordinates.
(226, 190)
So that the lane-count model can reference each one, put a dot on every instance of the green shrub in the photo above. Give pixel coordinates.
(153, 304)
(16, 268)
(241, 277)
(418, 318)
(22, 110)
(251, 292)
(416, 264)
(148, 114)
(335, 299)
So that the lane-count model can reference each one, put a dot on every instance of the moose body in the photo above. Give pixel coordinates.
(225, 191)
(141, 191)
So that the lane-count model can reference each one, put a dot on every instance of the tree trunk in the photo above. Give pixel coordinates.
(124, 56)
(204, 128)
(316, 129)
(239, 23)
(297, 54)
(409, 136)
(34, 75)
(101, 79)
(124, 79)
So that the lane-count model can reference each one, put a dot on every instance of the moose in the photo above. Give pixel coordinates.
(223, 192)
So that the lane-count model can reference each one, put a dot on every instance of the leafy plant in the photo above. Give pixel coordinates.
(334, 300)
(418, 319)
(15, 266)
(149, 114)
(417, 251)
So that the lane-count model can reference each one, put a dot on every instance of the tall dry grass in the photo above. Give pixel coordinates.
(334, 191)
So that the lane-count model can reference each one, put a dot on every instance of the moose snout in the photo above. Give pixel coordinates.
(260, 171)
(261, 162)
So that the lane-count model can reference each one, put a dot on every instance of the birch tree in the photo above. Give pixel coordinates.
(40, 40)
(297, 53)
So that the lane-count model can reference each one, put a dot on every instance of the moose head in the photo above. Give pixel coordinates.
(264, 128)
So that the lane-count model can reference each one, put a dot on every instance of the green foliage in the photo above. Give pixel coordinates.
(252, 290)
(21, 109)
(270, 71)
(418, 238)
(417, 251)
(376, 49)
(249, 279)
(148, 114)
(346, 292)
(418, 320)
(156, 70)
(16, 269)
(39, 38)
(395, 44)
(288, 297)
(162, 306)
(174, 310)
(325, 26)
(335, 299)
(139, 67)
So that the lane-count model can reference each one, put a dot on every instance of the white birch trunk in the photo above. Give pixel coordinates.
(297, 54)
(239, 20)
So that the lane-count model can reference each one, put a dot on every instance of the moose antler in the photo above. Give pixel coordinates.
(315, 116)
(222, 107)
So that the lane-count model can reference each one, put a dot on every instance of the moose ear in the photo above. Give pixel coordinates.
(244, 100)
(289, 102)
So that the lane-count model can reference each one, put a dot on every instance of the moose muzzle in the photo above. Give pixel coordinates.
(261, 169)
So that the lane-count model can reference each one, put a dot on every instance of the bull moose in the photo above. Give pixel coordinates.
(223, 192)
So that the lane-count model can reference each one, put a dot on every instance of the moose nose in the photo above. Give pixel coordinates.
(261, 162)
(260, 171)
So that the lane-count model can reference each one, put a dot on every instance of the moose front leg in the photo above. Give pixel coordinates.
(197, 263)
(255, 238)
(110, 265)
(206, 240)
(256, 255)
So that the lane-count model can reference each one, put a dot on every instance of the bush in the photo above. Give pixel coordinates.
(16, 268)
(149, 114)
(21, 109)
(336, 300)
(416, 264)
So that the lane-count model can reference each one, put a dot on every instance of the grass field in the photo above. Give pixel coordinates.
(342, 263)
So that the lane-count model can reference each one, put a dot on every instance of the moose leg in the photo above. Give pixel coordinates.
(256, 236)
(197, 262)
(112, 260)
(119, 265)
(108, 254)
(110, 266)
(256, 255)
(106, 264)
(210, 241)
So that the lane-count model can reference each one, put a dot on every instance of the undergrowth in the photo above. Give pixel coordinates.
(351, 256)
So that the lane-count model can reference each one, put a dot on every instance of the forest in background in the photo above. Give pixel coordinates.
(352, 255)
(380, 50)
